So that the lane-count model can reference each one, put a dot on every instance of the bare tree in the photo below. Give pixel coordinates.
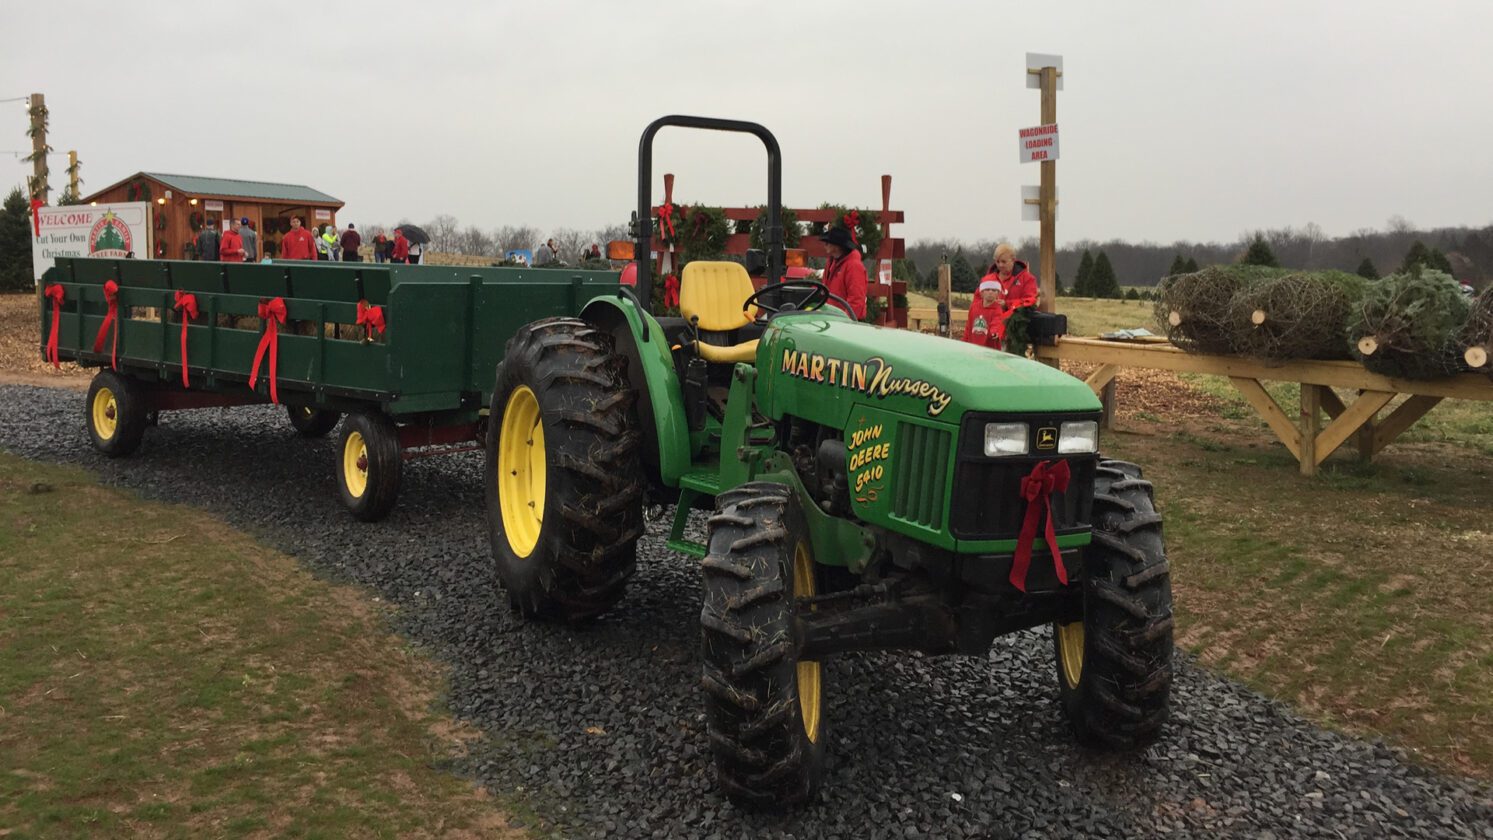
(442, 230)
(474, 241)
(610, 233)
(570, 241)
(515, 238)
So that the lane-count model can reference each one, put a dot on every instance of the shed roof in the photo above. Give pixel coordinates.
(234, 187)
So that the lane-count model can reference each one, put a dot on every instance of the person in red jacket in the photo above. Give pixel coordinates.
(1018, 285)
(985, 325)
(845, 275)
(232, 247)
(401, 252)
(297, 244)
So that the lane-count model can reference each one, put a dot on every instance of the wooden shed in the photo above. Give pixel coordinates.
(183, 204)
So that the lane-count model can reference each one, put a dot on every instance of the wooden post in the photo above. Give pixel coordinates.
(945, 288)
(1107, 403)
(38, 111)
(1311, 426)
(72, 175)
(1048, 197)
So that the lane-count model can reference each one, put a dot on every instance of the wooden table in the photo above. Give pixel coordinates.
(1306, 438)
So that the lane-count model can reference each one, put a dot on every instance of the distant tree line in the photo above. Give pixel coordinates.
(1464, 252)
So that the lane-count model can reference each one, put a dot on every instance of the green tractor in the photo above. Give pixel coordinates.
(866, 489)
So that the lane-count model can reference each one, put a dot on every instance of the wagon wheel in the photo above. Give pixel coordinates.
(312, 422)
(115, 413)
(369, 464)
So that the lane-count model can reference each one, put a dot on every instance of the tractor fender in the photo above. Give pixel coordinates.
(650, 369)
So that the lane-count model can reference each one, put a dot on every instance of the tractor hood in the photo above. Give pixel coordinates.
(820, 366)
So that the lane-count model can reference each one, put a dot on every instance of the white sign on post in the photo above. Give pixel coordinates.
(1040, 142)
(104, 230)
(1031, 207)
(1034, 64)
(884, 272)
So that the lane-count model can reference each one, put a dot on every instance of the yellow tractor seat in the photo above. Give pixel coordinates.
(713, 292)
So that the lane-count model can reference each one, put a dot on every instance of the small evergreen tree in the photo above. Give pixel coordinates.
(16, 274)
(1083, 282)
(1418, 255)
(1179, 266)
(1103, 283)
(1192, 266)
(1367, 271)
(1132, 294)
(1259, 253)
(962, 275)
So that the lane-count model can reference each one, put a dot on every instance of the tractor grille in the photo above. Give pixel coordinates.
(987, 502)
(920, 470)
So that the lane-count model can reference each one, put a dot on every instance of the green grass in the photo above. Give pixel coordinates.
(162, 674)
(1360, 596)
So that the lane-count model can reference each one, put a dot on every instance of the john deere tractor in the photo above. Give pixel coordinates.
(864, 488)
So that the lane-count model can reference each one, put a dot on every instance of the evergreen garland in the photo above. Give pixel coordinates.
(863, 224)
(792, 232)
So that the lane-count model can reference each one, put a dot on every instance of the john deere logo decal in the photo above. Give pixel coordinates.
(1047, 438)
(110, 237)
(873, 377)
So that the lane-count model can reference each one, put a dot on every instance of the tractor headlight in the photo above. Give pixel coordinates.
(1077, 436)
(1005, 439)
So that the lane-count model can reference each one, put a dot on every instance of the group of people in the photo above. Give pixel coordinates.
(1005, 288)
(241, 244)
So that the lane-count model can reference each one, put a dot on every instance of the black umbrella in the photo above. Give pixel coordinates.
(414, 234)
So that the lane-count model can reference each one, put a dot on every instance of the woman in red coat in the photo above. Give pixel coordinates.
(1017, 283)
(986, 323)
(845, 275)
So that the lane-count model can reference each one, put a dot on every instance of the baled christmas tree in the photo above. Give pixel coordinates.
(1410, 325)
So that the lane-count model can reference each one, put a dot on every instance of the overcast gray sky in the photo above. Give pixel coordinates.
(1193, 120)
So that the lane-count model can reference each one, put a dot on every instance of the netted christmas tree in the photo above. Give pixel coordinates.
(1303, 315)
(1410, 325)
(1477, 338)
(1193, 309)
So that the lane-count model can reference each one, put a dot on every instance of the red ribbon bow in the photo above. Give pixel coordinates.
(186, 304)
(671, 290)
(666, 219)
(36, 206)
(370, 318)
(273, 314)
(111, 319)
(1037, 487)
(852, 221)
(55, 294)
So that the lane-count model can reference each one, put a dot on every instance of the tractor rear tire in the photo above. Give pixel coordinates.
(312, 422)
(764, 707)
(369, 465)
(116, 413)
(564, 480)
(1114, 667)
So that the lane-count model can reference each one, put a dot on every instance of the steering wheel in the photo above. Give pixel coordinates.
(810, 295)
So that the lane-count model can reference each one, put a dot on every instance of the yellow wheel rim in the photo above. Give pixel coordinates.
(521, 471)
(809, 684)
(355, 464)
(105, 412)
(1070, 651)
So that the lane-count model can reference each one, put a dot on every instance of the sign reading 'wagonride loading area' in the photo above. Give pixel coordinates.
(1040, 142)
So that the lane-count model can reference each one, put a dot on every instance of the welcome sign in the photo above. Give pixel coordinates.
(103, 230)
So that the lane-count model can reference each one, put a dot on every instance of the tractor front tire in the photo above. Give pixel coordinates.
(1114, 667)
(312, 422)
(116, 413)
(764, 707)
(369, 465)
(564, 481)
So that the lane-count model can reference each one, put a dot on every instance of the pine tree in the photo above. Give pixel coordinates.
(1418, 255)
(1103, 283)
(1259, 253)
(15, 244)
(1083, 282)
(962, 275)
(1179, 266)
(1366, 269)
(1192, 265)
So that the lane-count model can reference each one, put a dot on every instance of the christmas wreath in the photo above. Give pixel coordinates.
(137, 191)
(864, 229)
(196, 220)
(703, 234)
(668, 221)
(792, 232)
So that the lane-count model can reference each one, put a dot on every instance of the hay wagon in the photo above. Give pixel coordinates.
(405, 353)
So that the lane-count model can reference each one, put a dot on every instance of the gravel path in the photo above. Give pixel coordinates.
(600, 729)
